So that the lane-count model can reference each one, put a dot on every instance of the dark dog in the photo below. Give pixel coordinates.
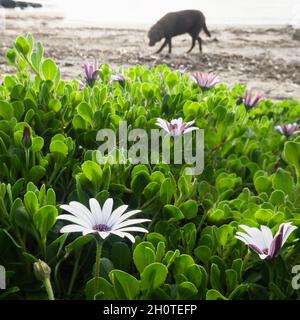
(176, 23)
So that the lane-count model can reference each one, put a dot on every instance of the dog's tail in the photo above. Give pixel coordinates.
(205, 29)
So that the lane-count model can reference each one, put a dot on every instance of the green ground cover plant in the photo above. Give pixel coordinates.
(48, 158)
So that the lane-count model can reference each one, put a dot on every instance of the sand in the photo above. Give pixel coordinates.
(267, 58)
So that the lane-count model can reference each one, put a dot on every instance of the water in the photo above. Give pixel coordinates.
(145, 12)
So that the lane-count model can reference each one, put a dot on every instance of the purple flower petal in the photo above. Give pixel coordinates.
(251, 99)
(176, 127)
(205, 80)
(276, 243)
(288, 129)
(256, 248)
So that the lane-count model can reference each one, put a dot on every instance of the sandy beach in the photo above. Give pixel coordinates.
(267, 58)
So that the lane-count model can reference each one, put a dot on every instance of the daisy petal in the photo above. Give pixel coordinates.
(128, 223)
(124, 234)
(288, 229)
(74, 219)
(118, 233)
(268, 236)
(276, 244)
(106, 210)
(190, 129)
(279, 128)
(255, 248)
(88, 231)
(130, 237)
(136, 229)
(77, 213)
(103, 234)
(127, 215)
(86, 70)
(188, 124)
(96, 211)
(256, 236)
(242, 239)
(83, 210)
(73, 228)
(177, 122)
(263, 256)
(116, 214)
(162, 124)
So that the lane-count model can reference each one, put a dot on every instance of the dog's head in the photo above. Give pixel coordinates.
(155, 34)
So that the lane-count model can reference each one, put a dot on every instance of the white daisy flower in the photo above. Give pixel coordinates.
(205, 79)
(176, 127)
(262, 240)
(288, 129)
(252, 99)
(103, 221)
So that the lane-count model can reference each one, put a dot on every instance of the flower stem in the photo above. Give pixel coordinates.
(246, 259)
(49, 289)
(97, 264)
(27, 156)
(74, 273)
(204, 216)
(44, 247)
(53, 175)
(56, 276)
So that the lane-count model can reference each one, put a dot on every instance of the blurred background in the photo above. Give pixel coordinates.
(255, 42)
(143, 13)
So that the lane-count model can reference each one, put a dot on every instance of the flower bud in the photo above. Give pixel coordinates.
(239, 100)
(41, 270)
(26, 139)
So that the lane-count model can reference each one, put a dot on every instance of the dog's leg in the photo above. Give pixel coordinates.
(170, 45)
(193, 45)
(164, 44)
(200, 44)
